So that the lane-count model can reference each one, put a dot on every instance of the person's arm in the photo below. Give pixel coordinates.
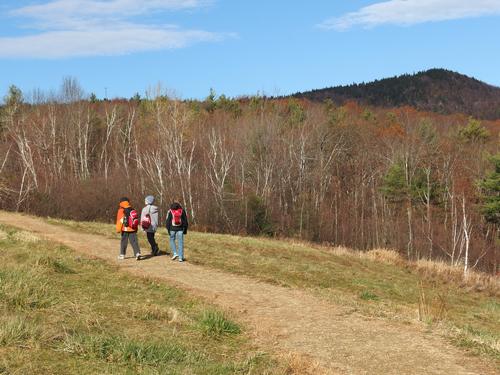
(185, 223)
(154, 220)
(143, 214)
(169, 221)
(119, 216)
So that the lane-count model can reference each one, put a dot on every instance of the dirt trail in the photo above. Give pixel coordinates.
(284, 319)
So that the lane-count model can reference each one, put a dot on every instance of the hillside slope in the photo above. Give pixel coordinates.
(331, 326)
(435, 90)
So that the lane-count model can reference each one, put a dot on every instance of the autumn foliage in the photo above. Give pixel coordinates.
(355, 176)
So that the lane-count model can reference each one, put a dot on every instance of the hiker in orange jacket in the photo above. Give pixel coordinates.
(128, 231)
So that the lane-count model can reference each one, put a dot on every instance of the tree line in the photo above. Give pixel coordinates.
(363, 177)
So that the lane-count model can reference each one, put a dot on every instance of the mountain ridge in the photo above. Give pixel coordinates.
(435, 90)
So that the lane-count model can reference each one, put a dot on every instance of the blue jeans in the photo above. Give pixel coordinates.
(179, 235)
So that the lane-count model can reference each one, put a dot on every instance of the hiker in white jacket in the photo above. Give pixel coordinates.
(149, 223)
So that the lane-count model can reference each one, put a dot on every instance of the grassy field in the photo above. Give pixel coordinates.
(61, 313)
(377, 283)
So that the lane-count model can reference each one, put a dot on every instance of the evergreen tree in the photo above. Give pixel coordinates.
(473, 132)
(211, 101)
(14, 96)
(394, 186)
(490, 186)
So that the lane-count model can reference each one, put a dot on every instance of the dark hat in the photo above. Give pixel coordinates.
(124, 199)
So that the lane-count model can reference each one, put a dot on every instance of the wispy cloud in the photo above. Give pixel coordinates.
(75, 28)
(410, 12)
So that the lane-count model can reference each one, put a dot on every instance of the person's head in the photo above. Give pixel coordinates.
(124, 202)
(175, 205)
(149, 199)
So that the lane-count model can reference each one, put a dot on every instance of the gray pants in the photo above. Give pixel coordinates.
(132, 237)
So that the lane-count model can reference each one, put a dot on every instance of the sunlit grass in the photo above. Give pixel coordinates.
(376, 283)
(215, 324)
(61, 313)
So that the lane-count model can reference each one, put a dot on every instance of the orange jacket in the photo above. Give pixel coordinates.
(119, 218)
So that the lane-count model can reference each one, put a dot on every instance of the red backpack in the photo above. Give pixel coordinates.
(131, 218)
(176, 217)
(146, 221)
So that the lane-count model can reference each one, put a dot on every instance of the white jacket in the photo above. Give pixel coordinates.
(153, 212)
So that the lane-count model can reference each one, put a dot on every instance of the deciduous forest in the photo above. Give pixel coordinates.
(344, 174)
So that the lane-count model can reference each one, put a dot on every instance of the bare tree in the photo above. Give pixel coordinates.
(111, 121)
(467, 230)
(220, 163)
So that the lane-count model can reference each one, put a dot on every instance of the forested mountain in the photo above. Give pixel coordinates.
(436, 90)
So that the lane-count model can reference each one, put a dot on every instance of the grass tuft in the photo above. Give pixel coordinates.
(302, 365)
(477, 342)
(16, 331)
(24, 236)
(22, 288)
(215, 324)
(124, 350)
(384, 256)
(368, 296)
(55, 265)
(152, 312)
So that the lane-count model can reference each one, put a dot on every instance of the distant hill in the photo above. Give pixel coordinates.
(435, 90)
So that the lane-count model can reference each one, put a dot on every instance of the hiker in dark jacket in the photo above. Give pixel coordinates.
(177, 226)
(129, 233)
(152, 219)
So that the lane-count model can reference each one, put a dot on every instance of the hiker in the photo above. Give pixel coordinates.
(149, 223)
(127, 222)
(177, 226)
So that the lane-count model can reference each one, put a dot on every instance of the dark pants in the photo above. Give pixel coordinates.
(132, 238)
(154, 246)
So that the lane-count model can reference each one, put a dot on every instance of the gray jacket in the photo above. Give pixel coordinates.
(153, 212)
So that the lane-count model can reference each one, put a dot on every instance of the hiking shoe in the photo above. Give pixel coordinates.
(138, 256)
(174, 257)
(181, 260)
(121, 256)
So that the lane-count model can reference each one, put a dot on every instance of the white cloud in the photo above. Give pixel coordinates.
(410, 12)
(100, 42)
(71, 12)
(76, 28)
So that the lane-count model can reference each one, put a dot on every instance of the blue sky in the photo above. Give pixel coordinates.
(240, 47)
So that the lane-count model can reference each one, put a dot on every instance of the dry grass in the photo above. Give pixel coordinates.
(428, 269)
(62, 314)
(376, 283)
(384, 255)
(25, 236)
(298, 364)
(477, 281)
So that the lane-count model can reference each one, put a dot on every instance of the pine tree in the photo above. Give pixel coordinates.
(490, 186)
(394, 186)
